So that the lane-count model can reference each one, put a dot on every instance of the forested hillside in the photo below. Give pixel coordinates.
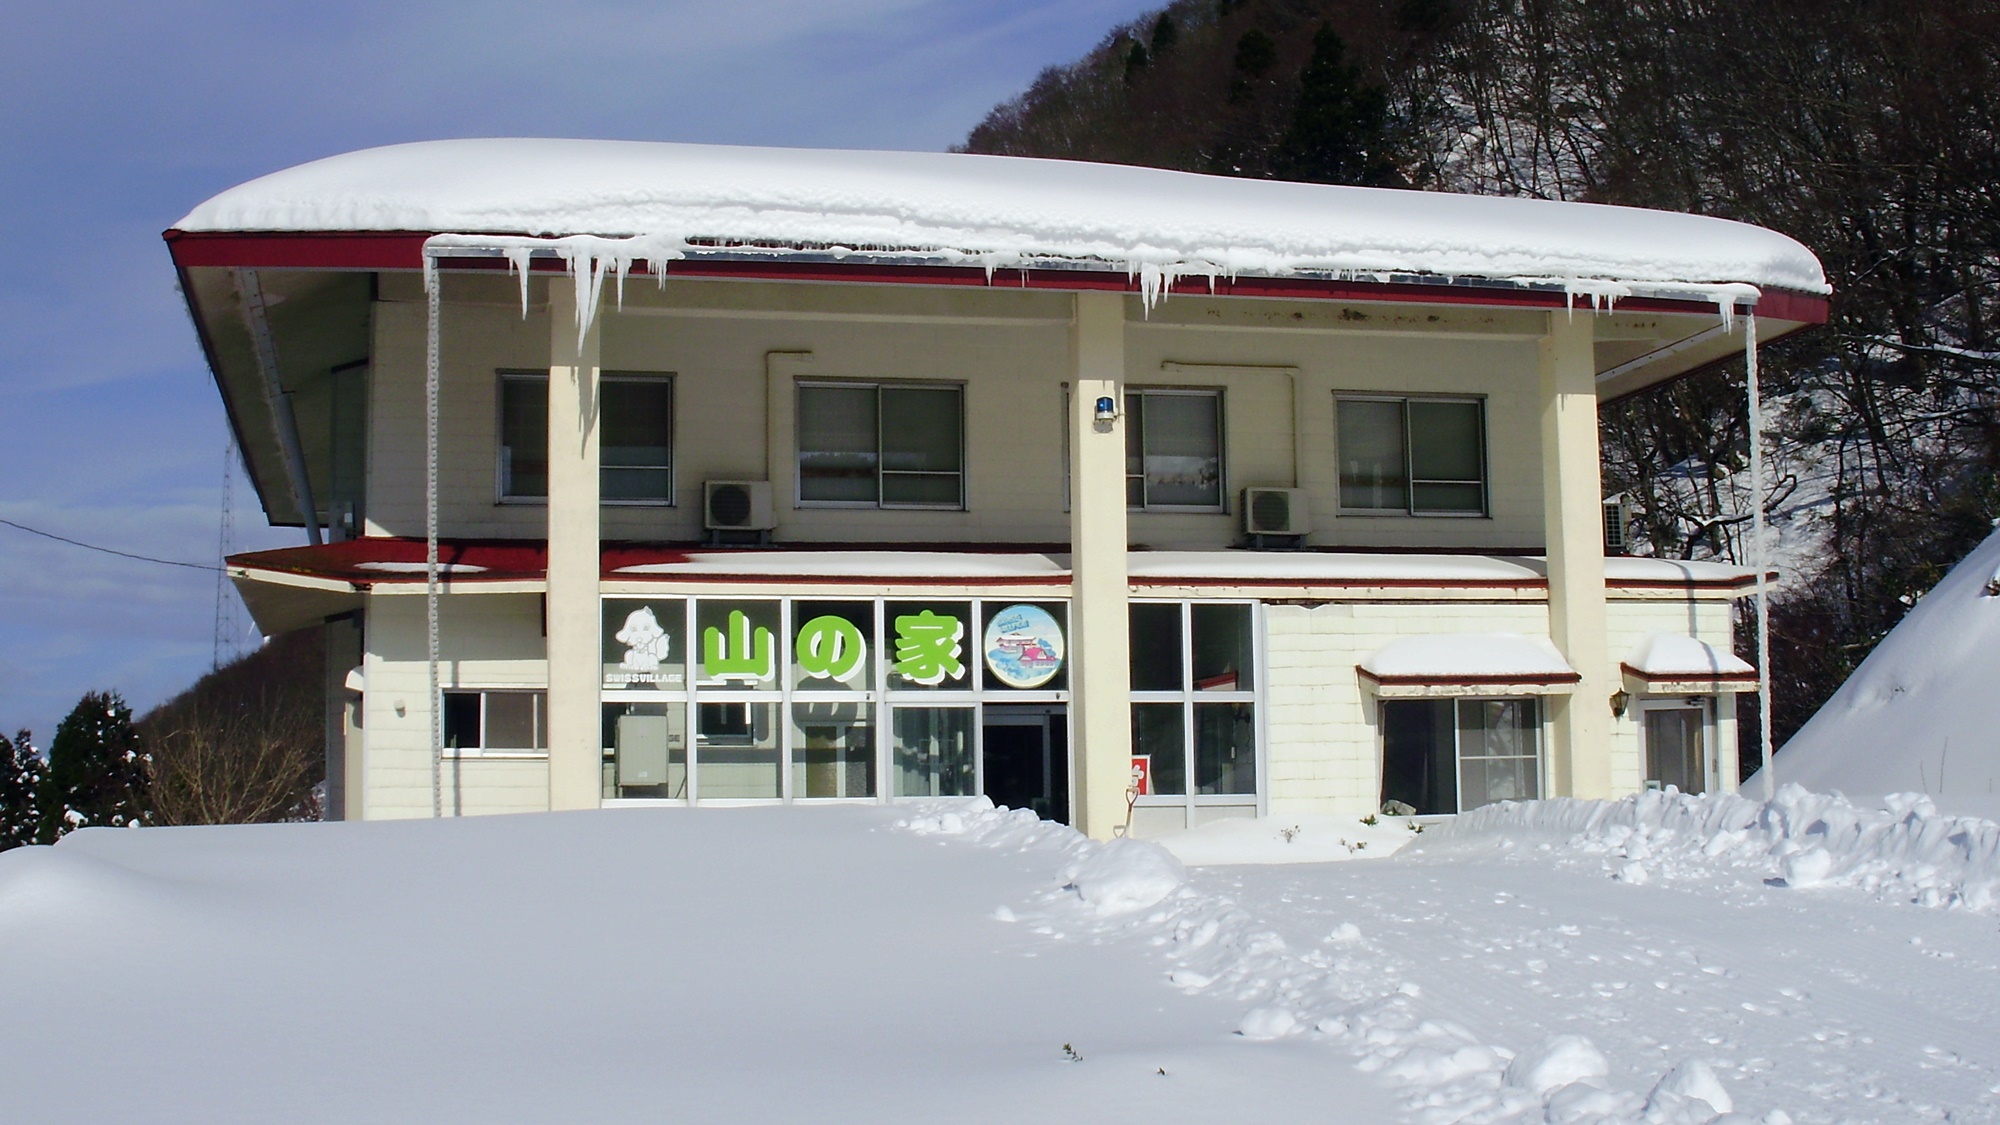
(1865, 130)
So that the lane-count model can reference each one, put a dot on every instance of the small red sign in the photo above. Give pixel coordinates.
(1142, 774)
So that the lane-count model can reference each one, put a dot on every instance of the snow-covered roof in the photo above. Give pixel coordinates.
(1468, 658)
(658, 199)
(1670, 656)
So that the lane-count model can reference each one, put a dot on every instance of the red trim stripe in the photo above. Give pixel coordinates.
(1545, 678)
(403, 250)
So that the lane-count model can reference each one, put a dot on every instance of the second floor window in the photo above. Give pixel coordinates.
(1417, 456)
(882, 445)
(634, 436)
(1173, 449)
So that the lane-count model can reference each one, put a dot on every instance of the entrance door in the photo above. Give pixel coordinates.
(1025, 760)
(1676, 746)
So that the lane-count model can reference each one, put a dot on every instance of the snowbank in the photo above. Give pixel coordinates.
(1921, 714)
(1001, 211)
(1906, 851)
(1346, 990)
(1292, 839)
(636, 965)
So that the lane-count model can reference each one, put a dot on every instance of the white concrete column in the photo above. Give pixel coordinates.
(1573, 519)
(1100, 674)
(573, 611)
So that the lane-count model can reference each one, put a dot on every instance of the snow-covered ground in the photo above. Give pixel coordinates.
(1662, 959)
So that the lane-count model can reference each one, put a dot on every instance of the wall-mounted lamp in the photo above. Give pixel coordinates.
(1107, 408)
(1620, 700)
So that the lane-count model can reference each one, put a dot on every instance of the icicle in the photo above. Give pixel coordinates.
(431, 372)
(520, 259)
(1757, 554)
(586, 264)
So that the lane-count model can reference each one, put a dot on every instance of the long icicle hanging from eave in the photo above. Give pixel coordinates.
(436, 704)
(1758, 555)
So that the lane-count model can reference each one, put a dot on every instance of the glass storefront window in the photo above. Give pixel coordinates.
(931, 645)
(777, 698)
(833, 646)
(1223, 647)
(1159, 736)
(643, 644)
(933, 751)
(646, 748)
(833, 750)
(738, 643)
(1156, 647)
(1194, 708)
(1225, 748)
(736, 751)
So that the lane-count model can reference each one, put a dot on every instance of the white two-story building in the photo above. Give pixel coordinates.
(1135, 497)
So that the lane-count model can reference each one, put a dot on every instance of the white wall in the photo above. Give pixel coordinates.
(486, 641)
(1008, 347)
(1323, 750)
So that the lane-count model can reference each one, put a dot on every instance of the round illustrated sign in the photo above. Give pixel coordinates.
(1024, 646)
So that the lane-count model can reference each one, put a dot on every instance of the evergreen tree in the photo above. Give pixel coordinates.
(1136, 61)
(1165, 34)
(20, 791)
(1255, 53)
(97, 769)
(1340, 130)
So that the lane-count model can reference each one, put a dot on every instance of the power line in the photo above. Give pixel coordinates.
(105, 550)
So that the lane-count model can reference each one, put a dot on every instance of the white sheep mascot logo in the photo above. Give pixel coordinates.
(646, 644)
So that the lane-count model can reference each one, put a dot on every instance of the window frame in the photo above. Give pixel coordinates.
(665, 378)
(1191, 695)
(1221, 447)
(799, 500)
(1540, 727)
(539, 722)
(1410, 479)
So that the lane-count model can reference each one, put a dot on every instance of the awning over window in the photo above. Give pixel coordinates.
(1446, 664)
(1670, 664)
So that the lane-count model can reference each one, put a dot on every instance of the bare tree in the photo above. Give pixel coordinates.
(247, 743)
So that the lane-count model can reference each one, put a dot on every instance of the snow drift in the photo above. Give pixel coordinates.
(1907, 851)
(1922, 712)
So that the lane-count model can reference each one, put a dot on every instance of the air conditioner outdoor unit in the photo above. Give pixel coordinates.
(736, 505)
(1617, 525)
(1275, 511)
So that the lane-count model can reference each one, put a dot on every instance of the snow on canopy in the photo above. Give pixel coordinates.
(1485, 655)
(1670, 654)
(655, 200)
(1920, 713)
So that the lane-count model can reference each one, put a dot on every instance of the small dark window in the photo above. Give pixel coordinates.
(634, 438)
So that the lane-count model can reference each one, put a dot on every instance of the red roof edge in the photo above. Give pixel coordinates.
(1451, 681)
(403, 250)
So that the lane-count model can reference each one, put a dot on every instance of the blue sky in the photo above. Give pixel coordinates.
(120, 117)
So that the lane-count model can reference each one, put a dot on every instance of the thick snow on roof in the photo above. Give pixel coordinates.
(999, 211)
(1442, 656)
(1920, 713)
(1664, 655)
